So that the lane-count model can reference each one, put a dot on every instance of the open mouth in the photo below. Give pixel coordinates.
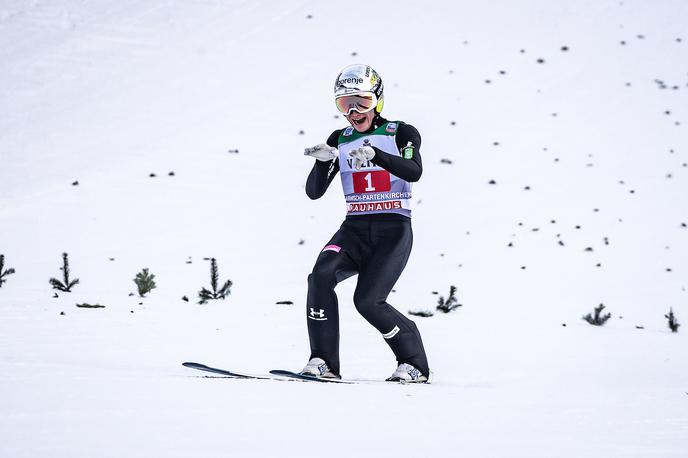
(358, 121)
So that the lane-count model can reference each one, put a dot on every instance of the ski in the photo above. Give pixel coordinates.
(274, 375)
(214, 370)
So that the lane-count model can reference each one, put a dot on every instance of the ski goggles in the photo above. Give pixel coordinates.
(362, 103)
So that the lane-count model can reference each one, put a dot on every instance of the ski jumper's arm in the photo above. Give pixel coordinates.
(321, 176)
(409, 169)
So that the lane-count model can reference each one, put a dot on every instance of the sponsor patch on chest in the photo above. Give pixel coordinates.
(391, 127)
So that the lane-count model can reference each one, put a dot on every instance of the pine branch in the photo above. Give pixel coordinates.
(145, 282)
(597, 320)
(65, 268)
(673, 323)
(4, 272)
(213, 275)
(450, 304)
(224, 291)
(86, 305)
(64, 285)
(421, 313)
(57, 284)
(205, 294)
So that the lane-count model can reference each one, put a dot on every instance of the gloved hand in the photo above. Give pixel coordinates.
(322, 152)
(361, 156)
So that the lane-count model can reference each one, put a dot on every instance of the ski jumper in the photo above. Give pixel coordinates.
(374, 241)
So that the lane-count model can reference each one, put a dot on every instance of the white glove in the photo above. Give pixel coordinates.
(322, 152)
(361, 156)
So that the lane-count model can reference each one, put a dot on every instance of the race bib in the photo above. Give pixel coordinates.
(371, 181)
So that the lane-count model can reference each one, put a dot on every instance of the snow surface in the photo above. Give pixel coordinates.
(588, 148)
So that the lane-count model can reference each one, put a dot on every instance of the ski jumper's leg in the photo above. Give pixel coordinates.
(390, 244)
(334, 264)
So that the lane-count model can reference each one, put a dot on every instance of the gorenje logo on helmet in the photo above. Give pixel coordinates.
(354, 80)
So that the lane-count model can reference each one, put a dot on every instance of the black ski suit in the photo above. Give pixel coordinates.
(374, 246)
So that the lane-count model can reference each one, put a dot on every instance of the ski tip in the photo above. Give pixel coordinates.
(200, 366)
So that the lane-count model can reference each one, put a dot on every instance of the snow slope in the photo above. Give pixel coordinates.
(575, 111)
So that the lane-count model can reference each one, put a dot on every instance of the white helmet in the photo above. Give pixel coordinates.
(356, 80)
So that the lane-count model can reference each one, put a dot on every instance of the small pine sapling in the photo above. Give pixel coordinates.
(450, 304)
(673, 323)
(145, 282)
(597, 320)
(4, 272)
(205, 295)
(66, 285)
